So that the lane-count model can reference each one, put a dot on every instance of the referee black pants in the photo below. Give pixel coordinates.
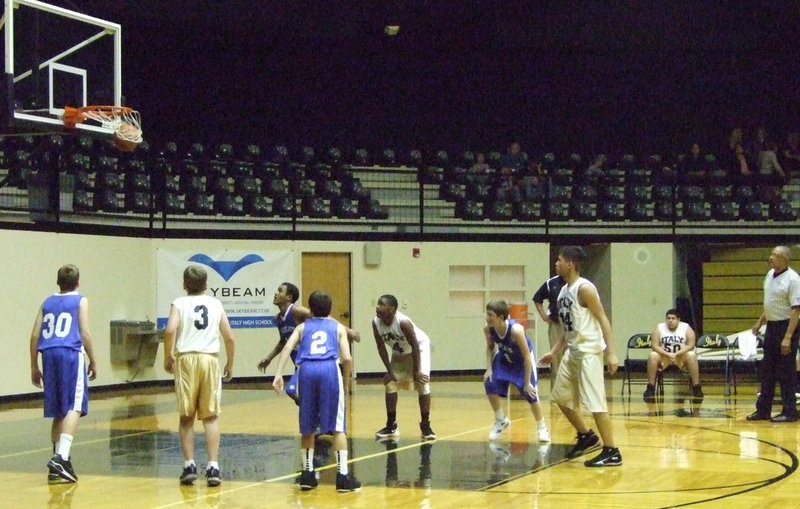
(776, 367)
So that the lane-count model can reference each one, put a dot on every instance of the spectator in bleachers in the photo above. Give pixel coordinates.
(480, 170)
(533, 182)
(771, 176)
(693, 168)
(741, 171)
(595, 174)
(759, 143)
(791, 156)
(507, 183)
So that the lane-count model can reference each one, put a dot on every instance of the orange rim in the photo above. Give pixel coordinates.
(74, 116)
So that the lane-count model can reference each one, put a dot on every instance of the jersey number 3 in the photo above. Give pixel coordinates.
(202, 317)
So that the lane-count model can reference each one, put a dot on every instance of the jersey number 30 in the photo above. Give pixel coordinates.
(59, 326)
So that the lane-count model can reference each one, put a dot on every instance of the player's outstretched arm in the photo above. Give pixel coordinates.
(230, 346)
(36, 373)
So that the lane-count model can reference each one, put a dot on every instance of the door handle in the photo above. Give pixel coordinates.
(345, 314)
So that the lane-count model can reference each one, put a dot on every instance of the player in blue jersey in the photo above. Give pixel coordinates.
(510, 361)
(61, 333)
(321, 344)
(290, 315)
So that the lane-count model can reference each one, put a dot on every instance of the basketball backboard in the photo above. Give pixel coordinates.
(56, 57)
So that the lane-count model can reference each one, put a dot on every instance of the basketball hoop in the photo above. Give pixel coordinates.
(123, 121)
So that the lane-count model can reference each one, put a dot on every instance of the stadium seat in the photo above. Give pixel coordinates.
(283, 206)
(345, 208)
(478, 191)
(371, 209)
(664, 210)
(361, 157)
(82, 201)
(137, 201)
(611, 211)
(107, 200)
(723, 210)
(663, 193)
(782, 211)
(636, 210)
(200, 204)
(257, 206)
(557, 211)
(754, 211)
(316, 207)
(637, 193)
(611, 193)
(559, 194)
(451, 191)
(414, 158)
(561, 176)
(498, 211)
(585, 193)
(695, 210)
(528, 211)
(583, 211)
(469, 210)
(388, 157)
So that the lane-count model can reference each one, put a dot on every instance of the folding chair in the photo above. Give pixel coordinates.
(717, 347)
(641, 341)
(747, 352)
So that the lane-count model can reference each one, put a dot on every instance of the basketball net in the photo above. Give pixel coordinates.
(124, 122)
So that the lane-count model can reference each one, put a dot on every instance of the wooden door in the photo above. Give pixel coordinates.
(329, 272)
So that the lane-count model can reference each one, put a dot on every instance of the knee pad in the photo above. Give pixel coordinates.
(423, 389)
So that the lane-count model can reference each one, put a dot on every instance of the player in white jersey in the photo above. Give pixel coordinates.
(198, 320)
(410, 361)
(579, 381)
(673, 343)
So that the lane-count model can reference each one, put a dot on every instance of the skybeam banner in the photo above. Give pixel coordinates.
(244, 281)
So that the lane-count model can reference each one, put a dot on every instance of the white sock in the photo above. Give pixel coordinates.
(188, 463)
(499, 415)
(341, 461)
(212, 464)
(64, 444)
(308, 459)
(542, 424)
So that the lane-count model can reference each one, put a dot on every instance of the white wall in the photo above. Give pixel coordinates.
(642, 283)
(118, 277)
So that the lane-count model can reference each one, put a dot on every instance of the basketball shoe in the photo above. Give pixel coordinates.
(189, 475)
(585, 442)
(62, 468)
(347, 482)
(499, 427)
(388, 431)
(608, 457)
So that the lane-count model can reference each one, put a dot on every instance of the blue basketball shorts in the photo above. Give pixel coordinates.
(504, 375)
(65, 382)
(321, 392)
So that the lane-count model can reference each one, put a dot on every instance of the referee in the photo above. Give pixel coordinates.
(781, 310)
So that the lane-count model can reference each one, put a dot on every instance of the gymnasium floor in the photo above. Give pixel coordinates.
(675, 453)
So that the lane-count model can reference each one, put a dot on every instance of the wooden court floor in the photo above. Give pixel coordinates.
(675, 453)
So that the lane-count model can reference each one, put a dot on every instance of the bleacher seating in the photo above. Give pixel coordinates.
(303, 183)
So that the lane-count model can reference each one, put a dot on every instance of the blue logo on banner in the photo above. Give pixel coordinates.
(226, 269)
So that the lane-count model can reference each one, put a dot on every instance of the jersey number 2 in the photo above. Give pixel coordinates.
(318, 340)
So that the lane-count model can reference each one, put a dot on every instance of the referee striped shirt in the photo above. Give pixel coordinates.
(781, 294)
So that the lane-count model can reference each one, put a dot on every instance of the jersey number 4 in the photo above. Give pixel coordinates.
(566, 319)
